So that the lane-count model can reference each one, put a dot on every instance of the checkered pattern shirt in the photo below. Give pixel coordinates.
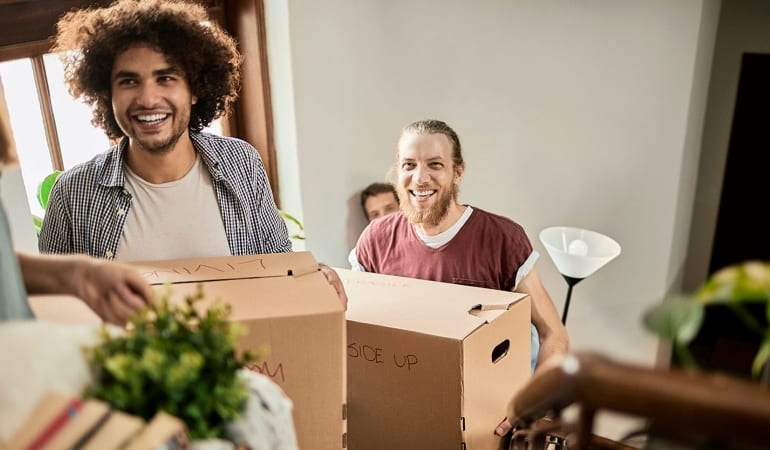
(88, 205)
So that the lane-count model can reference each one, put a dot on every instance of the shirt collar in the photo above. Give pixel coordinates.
(112, 168)
(204, 147)
(112, 173)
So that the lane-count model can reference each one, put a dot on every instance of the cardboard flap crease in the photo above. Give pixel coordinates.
(227, 268)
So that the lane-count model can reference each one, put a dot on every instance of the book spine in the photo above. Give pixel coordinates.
(94, 429)
(72, 409)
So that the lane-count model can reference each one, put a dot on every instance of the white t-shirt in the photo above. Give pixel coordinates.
(174, 220)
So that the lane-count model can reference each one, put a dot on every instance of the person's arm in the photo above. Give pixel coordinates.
(114, 291)
(272, 225)
(553, 335)
(56, 231)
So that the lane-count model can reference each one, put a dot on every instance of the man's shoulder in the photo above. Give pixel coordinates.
(389, 223)
(482, 214)
(92, 169)
(219, 145)
(381, 227)
(227, 154)
(502, 223)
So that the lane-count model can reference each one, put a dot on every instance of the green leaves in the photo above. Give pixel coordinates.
(293, 220)
(43, 194)
(763, 355)
(176, 360)
(45, 186)
(679, 319)
(745, 282)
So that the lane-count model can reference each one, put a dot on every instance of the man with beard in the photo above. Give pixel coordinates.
(156, 73)
(436, 238)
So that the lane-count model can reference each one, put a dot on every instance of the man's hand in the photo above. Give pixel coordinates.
(114, 291)
(334, 280)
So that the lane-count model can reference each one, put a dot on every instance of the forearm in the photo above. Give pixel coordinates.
(553, 335)
(553, 343)
(554, 339)
(49, 274)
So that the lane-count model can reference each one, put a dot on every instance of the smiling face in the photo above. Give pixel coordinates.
(151, 99)
(427, 178)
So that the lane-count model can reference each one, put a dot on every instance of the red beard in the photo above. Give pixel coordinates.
(433, 215)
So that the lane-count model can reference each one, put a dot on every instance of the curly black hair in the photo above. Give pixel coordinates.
(92, 38)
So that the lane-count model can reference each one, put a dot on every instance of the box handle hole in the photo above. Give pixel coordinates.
(500, 351)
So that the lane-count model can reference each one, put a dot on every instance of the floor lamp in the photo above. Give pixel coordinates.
(577, 254)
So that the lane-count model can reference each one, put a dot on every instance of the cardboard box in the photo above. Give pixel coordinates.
(285, 303)
(431, 365)
(62, 309)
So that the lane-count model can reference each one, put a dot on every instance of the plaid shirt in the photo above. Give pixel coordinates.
(88, 205)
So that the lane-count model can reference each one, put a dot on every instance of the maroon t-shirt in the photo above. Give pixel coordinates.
(486, 252)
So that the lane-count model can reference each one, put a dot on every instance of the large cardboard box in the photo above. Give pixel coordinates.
(286, 304)
(431, 365)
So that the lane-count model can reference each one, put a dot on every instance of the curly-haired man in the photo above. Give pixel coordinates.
(155, 74)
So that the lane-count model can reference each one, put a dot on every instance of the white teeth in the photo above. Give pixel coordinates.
(151, 117)
(422, 193)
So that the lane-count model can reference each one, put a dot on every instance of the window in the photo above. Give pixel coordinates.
(54, 131)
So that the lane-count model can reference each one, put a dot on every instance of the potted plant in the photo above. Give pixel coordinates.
(176, 359)
(738, 287)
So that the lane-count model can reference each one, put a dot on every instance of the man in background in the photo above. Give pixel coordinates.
(436, 238)
(377, 200)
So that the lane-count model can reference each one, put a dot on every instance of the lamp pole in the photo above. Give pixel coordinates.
(571, 281)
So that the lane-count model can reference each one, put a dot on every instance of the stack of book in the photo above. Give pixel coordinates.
(60, 422)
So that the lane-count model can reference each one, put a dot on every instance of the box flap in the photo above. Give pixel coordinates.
(227, 267)
(441, 309)
(266, 297)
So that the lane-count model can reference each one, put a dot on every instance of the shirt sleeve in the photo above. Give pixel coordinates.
(362, 252)
(272, 226)
(56, 230)
(355, 265)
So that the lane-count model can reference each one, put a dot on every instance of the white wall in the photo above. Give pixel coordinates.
(570, 113)
(744, 26)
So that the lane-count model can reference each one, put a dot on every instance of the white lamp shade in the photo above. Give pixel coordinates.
(576, 252)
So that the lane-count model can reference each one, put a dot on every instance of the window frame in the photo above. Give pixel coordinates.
(31, 24)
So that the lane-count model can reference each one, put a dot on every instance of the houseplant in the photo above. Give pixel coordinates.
(176, 359)
(738, 287)
(43, 192)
